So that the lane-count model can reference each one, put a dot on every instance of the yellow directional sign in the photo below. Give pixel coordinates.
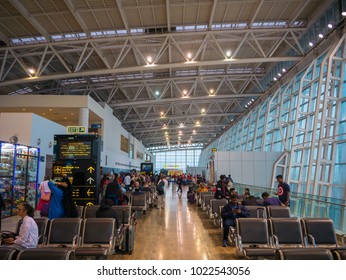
(90, 192)
(57, 169)
(89, 204)
(91, 169)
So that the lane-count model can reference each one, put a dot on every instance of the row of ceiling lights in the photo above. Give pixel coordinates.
(181, 125)
(188, 56)
(185, 93)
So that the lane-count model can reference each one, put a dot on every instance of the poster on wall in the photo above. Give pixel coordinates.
(124, 144)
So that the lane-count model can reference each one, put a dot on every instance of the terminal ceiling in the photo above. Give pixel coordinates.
(173, 71)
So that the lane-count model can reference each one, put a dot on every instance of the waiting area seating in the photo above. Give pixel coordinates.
(262, 238)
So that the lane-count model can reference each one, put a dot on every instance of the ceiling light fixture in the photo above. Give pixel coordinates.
(203, 110)
(330, 25)
(189, 55)
(157, 93)
(211, 91)
(343, 14)
(32, 70)
(228, 54)
(320, 35)
(162, 114)
(149, 59)
(311, 44)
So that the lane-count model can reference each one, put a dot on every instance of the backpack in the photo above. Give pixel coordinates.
(159, 188)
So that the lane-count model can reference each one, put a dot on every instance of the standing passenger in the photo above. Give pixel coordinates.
(283, 191)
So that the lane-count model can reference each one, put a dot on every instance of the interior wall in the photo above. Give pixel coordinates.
(251, 168)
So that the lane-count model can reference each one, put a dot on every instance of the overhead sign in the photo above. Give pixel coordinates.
(78, 156)
(76, 129)
(95, 125)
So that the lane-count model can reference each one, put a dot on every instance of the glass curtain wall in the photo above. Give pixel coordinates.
(177, 159)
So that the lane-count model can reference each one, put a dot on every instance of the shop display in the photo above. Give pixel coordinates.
(18, 175)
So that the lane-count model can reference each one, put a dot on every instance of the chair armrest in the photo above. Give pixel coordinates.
(275, 241)
(239, 243)
(308, 238)
(76, 241)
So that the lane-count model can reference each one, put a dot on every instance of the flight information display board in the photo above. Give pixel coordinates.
(75, 149)
(78, 156)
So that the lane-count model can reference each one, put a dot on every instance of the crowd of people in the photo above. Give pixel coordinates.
(236, 206)
(56, 200)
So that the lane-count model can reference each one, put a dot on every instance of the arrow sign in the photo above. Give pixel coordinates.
(89, 204)
(91, 169)
(90, 192)
(90, 180)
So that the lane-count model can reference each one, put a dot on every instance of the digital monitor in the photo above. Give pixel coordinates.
(74, 149)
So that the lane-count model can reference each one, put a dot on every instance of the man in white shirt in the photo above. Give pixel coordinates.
(127, 181)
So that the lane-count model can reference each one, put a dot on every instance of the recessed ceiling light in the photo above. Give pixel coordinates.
(284, 70)
(50, 109)
(343, 14)
(72, 114)
(65, 118)
(24, 109)
(311, 44)
(330, 25)
(320, 35)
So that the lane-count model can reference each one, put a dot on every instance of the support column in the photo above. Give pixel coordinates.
(84, 117)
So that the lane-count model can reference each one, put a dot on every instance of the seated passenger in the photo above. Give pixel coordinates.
(230, 212)
(106, 211)
(27, 231)
(251, 200)
(271, 200)
(137, 190)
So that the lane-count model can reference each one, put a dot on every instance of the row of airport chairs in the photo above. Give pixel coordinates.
(92, 237)
(8, 253)
(261, 237)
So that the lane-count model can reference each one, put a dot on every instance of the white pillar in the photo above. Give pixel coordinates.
(84, 117)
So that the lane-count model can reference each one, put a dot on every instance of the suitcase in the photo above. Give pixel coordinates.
(127, 234)
(128, 239)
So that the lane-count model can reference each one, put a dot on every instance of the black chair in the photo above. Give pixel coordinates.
(320, 232)
(42, 225)
(80, 211)
(257, 211)
(46, 254)
(206, 201)
(286, 232)
(90, 211)
(123, 213)
(214, 210)
(139, 202)
(304, 254)
(98, 238)
(339, 254)
(7, 253)
(278, 212)
(252, 239)
(64, 232)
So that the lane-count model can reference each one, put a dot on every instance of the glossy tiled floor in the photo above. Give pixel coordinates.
(181, 231)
